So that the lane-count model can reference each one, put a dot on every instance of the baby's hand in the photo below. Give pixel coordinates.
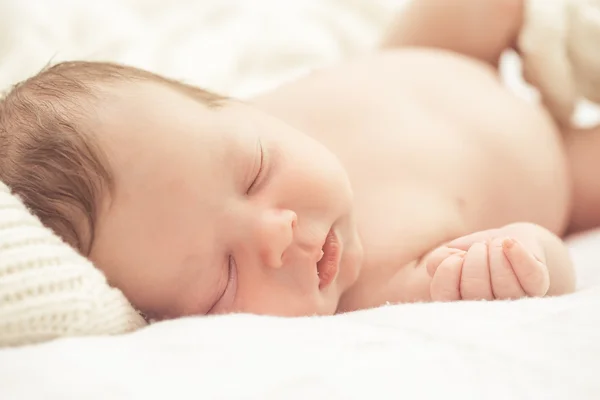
(488, 265)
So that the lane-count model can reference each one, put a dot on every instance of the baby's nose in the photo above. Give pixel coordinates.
(276, 234)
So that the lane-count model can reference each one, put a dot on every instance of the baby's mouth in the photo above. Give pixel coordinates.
(327, 266)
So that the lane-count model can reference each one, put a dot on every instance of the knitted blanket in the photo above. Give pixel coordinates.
(47, 290)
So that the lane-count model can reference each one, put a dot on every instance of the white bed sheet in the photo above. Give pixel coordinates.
(528, 349)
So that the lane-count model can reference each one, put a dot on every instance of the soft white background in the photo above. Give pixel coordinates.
(530, 349)
(235, 46)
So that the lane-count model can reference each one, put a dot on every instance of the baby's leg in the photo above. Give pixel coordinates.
(481, 29)
(583, 150)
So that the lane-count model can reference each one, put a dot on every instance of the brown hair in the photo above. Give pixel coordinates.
(48, 155)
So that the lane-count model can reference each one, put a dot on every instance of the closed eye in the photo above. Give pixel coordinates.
(260, 167)
(230, 285)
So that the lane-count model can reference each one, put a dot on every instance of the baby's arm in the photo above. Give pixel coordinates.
(481, 29)
(517, 260)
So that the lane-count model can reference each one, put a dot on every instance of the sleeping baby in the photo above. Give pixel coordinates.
(410, 174)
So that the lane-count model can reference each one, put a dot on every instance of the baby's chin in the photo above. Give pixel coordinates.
(351, 260)
(320, 307)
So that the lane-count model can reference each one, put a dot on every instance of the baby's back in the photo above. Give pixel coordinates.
(434, 145)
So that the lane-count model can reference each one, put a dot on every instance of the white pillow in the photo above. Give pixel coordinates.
(48, 290)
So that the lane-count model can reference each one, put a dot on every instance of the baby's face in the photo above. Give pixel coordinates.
(221, 210)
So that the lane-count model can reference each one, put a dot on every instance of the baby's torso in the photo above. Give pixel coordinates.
(434, 146)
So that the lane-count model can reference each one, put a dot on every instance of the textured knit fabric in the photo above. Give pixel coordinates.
(48, 290)
(559, 46)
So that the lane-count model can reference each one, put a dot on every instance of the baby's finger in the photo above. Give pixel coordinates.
(465, 242)
(475, 283)
(445, 284)
(435, 258)
(532, 274)
(505, 284)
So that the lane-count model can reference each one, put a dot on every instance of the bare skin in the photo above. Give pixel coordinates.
(474, 157)
(459, 190)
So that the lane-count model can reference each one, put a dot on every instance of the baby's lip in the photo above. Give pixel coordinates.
(328, 265)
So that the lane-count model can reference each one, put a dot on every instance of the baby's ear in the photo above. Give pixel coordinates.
(49, 290)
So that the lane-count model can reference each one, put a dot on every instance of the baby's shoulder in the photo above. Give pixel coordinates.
(381, 86)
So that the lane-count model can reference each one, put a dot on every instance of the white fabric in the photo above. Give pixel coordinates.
(48, 290)
(522, 350)
(559, 42)
(528, 349)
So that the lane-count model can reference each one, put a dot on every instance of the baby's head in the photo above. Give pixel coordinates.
(189, 202)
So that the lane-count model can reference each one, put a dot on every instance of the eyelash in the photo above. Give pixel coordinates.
(230, 272)
(230, 277)
(260, 169)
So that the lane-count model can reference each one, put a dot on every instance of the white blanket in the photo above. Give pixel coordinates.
(527, 349)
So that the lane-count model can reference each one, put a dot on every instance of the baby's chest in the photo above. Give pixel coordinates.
(399, 223)
(394, 238)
